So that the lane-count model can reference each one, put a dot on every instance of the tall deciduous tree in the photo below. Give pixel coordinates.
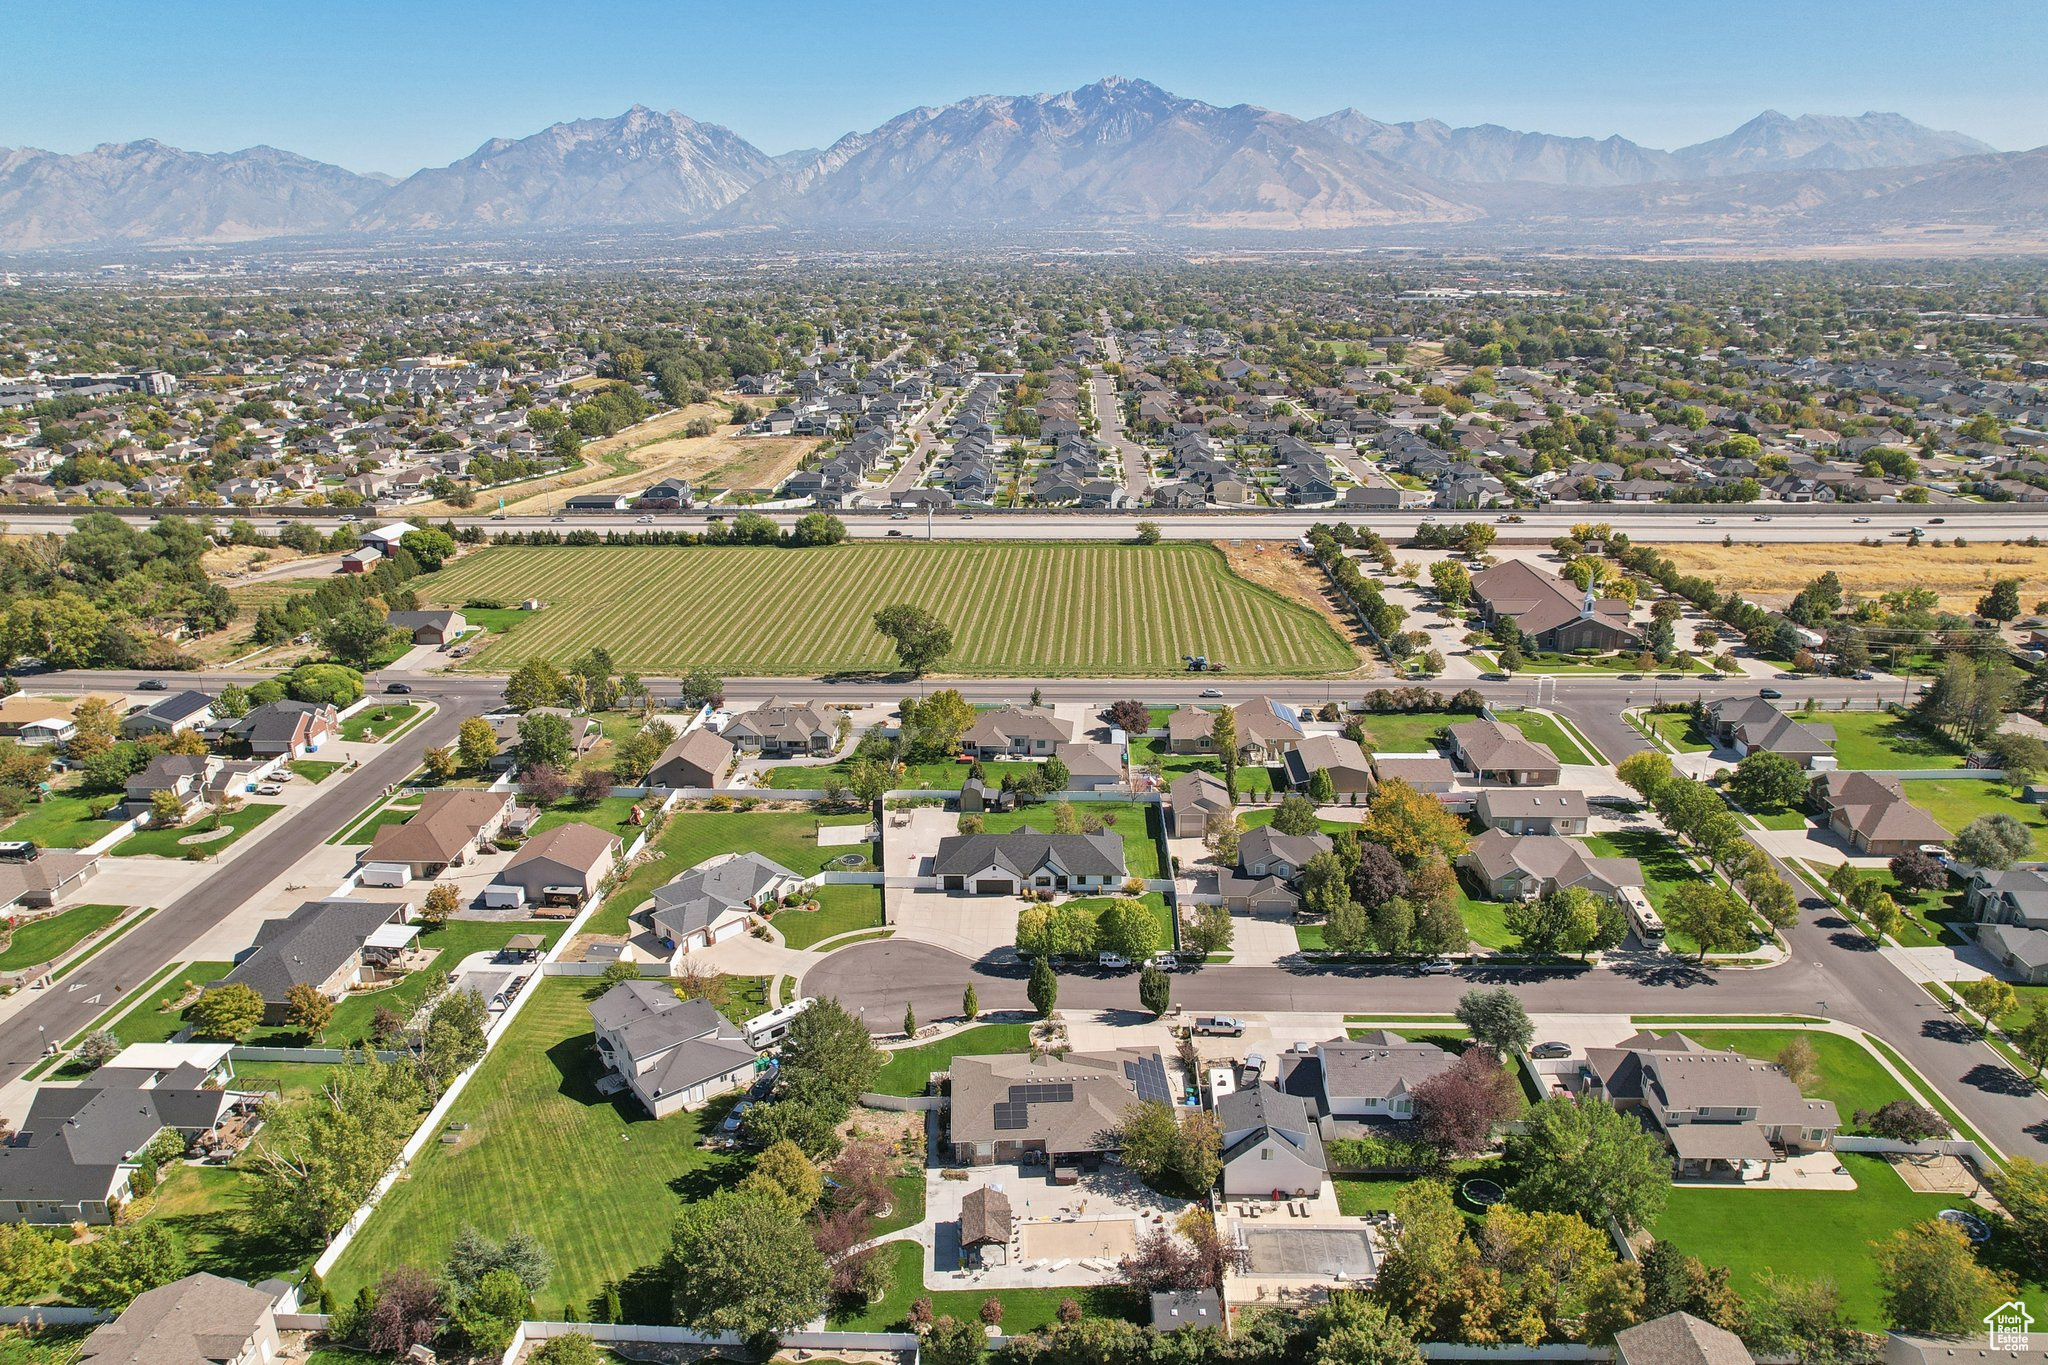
(1585, 1157)
(1932, 1280)
(739, 1263)
(920, 639)
(1497, 1019)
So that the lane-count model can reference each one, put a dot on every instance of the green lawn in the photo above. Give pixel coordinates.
(291, 1080)
(45, 939)
(691, 836)
(1675, 728)
(842, 909)
(1545, 730)
(1878, 739)
(60, 820)
(1138, 826)
(1956, 801)
(1407, 732)
(315, 769)
(1665, 869)
(394, 811)
(594, 1179)
(450, 943)
(937, 776)
(1018, 609)
(164, 843)
(2032, 998)
(1024, 1310)
(1485, 921)
(1925, 915)
(1256, 819)
(614, 815)
(1250, 777)
(148, 1021)
(1807, 1233)
(378, 722)
(203, 1205)
(910, 1068)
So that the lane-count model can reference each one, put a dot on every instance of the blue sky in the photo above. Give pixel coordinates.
(383, 85)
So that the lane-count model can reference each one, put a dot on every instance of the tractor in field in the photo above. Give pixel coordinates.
(1201, 663)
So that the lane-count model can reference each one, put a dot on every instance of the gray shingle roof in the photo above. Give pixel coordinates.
(1022, 852)
(309, 945)
(200, 1318)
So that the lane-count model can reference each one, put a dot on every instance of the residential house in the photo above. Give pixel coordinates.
(1746, 725)
(1493, 752)
(1017, 732)
(584, 734)
(287, 729)
(1424, 772)
(202, 1319)
(76, 1152)
(556, 870)
(1349, 769)
(1532, 810)
(1719, 1111)
(36, 721)
(1682, 1339)
(696, 758)
(1015, 1107)
(1872, 813)
(673, 1054)
(1552, 614)
(780, 729)
(1267, 729)
(195, 779)
(174, 714)
(715, 901)
(1268, 870)
(1270, 1142)
(1005, 864)
(2023, 951)
(43, 881)
(1521, 867)
(1092, 767)
(2016, 896)
(1372, 1077)
(428, 627)
(450, 828)
(1191, 730)
(330, 945)
(1191, 799)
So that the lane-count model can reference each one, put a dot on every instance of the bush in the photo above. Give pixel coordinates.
(1382, 1154)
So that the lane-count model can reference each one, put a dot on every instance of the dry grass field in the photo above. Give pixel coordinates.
(1771, 574)
(1016, 609)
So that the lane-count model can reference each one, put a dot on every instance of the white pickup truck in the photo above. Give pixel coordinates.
(1219, 1026)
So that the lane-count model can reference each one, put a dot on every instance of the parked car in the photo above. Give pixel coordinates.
(270, 789)
(1115, 962)
(1219, 1026)
(1437, 966)
(1551, 1050)
(150, 685)
(399, 689)
(732, 1120)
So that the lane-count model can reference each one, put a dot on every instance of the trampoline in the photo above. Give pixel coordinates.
(1482, 1194)
(1973, 1227)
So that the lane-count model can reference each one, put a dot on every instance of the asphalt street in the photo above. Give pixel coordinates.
(136, 956)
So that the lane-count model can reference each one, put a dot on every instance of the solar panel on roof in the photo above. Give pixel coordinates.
(1010, 1117)
(1148, 1078)
(1043, 1093)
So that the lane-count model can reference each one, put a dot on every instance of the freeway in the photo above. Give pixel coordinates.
(136, 956)
(1644, 522)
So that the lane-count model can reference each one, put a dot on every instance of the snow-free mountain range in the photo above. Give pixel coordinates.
(1119, 152)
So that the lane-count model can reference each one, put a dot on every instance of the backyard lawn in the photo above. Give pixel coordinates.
(1546, 730)
(169, 843)
(910, 1068)
(44, 939)
(1956, 801)
(1807, 1233)
(593, 1179)
(450, 943)
(938, 776)
(60, 820)
(842, 909)
(1665, 869)
(691, 836)
(1251, 777)
(203, 1205)
(1407, 732)
(1878, 739)
(1138, 825)
(378, 722)
(614, 815)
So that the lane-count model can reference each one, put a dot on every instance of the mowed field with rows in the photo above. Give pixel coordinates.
(1015, 609)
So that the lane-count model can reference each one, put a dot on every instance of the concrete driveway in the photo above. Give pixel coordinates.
(972, 926)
